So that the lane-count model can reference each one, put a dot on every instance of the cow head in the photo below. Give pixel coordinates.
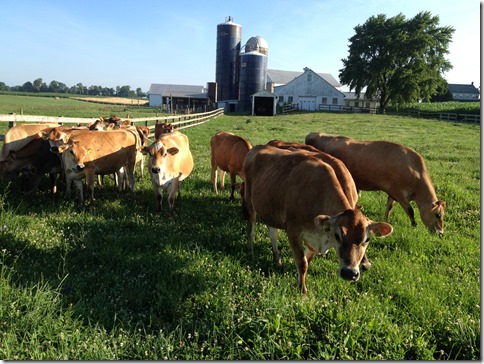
(73, 156)
(350, 233)
(433, 217)
(158, 156)
(56, 138)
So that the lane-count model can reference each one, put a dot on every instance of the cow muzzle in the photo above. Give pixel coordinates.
(349, 274)
(155, 170)
(79, 167)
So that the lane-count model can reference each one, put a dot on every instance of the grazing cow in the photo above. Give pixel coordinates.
(19, 136)
(301, 194)
(228, 154)
(98, 152)
(393, 168)
(170, 162)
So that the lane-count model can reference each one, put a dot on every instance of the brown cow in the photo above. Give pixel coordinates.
(342, 173)
(98, 152)
(163, 128)
(170, 162)
(19, 136)
(393, 168)
(228, 154)
(300, 194)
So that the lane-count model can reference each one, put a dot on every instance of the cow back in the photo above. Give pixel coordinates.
(342, 173)
(291, 187)
(229, 151)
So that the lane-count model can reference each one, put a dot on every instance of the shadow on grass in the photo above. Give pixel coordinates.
(123, 263)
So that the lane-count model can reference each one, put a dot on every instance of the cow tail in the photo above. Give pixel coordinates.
(245, 211)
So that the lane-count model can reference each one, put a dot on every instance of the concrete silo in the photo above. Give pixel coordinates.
(253, 71)
(229, 35)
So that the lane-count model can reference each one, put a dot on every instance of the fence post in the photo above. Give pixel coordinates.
(12, 122)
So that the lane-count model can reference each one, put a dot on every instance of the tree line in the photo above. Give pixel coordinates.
(39, 85)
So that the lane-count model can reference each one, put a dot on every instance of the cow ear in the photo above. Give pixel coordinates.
(173, 150)
(62, 148)
(381, 228)
(323, 222)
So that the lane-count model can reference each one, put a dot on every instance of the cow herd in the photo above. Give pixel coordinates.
(309, 190)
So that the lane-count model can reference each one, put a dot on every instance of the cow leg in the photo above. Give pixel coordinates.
(299, 258)
(159, 196)
(232, 184)
(390, 203)
(222, 178)
(90, 179)
(213, 178)
(129, 174)
(172, 190)
(406, 207)
(79, 188)
(53, 182)
(67, 193)
(365, 263)
(275, 251)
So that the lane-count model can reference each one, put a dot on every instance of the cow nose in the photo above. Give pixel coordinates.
(155, 169)
(349, 274)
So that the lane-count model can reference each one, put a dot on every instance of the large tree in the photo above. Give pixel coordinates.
(397, 60)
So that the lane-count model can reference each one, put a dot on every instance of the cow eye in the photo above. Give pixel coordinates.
(336, 236)
(438, 216)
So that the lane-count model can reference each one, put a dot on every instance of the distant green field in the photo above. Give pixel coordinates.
(123, 282)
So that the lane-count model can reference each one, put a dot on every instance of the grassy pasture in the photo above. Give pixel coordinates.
(123, 282)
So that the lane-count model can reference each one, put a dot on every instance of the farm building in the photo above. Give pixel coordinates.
(462, 92)
(307, 91)
(358, 104)
(178, 97)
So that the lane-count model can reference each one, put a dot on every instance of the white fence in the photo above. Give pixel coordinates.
(179, 121)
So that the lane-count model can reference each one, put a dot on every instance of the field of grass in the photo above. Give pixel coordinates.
(69, 107)
(123, 282)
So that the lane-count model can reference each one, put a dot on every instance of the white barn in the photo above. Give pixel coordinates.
(310, 92)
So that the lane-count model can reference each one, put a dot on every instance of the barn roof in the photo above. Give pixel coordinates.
(462, 89)
(168, 90)
(280, 77)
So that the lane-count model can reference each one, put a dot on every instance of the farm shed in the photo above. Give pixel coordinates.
(264, 103)
(464, 92)
(309, 91)
(359, 103)
(178, 97)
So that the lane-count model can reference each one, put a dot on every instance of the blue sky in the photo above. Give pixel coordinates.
(136, 43)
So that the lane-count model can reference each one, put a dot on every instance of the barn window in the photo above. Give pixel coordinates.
(310, 77)
(281, 99)
(289, 99)
(335, 101)
(324, 101)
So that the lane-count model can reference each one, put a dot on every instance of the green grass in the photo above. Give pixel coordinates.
(67, 107)
(123, 282)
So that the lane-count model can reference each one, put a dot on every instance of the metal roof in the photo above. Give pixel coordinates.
(167, 90)
(280, 77)
(462, 89)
